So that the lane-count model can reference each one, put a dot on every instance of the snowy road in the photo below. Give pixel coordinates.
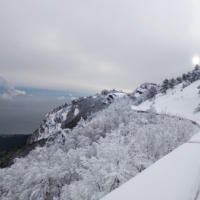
(174, 177)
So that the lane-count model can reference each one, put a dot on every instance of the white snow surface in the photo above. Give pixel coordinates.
(177, 101)
(76, 111)
(174, 177)
(120, 94)
(195, 138)
(137, 108)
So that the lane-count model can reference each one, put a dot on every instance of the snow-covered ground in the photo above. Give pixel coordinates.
(177, 101)
(174, 177)
(76, 111)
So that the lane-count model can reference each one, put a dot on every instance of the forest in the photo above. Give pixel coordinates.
(95, 157)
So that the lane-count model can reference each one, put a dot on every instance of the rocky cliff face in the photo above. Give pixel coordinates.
(68, 115)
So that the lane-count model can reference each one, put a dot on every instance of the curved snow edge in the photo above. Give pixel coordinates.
(174, 177)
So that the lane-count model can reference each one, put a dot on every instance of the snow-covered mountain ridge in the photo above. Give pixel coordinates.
(175, 96)
(68, 115)
(177, 101)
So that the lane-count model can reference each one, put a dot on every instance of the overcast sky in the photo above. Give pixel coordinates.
(93, 45)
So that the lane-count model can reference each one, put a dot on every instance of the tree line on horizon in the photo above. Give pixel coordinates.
(152, 90)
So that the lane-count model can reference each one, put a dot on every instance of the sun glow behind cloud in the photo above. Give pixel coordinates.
(195, 60)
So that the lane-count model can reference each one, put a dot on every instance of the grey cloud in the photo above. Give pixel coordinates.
(92, 45)
(11, 94)
(9, 91)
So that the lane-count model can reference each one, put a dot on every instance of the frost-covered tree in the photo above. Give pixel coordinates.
(188, 76)
(104, 92)
(172, 83)
(151, 92)
(184, 77)
(164, 86)
(178, 80)
(195, 74)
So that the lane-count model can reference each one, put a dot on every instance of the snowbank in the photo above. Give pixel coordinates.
(137, 108)
(195, 138)
(174, 177)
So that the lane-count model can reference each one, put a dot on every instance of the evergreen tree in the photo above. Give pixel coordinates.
(196, 68)
(104, 92)
(188, 76)
(178, 80)
(151, 92)
(195, 74)
(184, 77)
(172, 83)
(164, 86)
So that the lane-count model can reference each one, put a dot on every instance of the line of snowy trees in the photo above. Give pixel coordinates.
(95, 157)
(152, 90)
(186, 79)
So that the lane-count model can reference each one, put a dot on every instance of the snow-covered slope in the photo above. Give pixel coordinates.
(174, 177)
(177, 101)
